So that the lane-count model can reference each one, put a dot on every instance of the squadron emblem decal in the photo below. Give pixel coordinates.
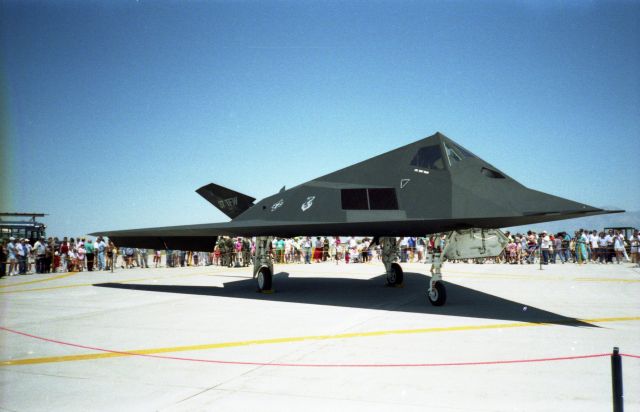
(277, 205)
(308, 203)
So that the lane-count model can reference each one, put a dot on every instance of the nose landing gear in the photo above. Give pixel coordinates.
(263, 264)
(395, 275)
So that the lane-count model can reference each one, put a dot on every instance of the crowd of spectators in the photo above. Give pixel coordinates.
(18, 256)
(585, 246)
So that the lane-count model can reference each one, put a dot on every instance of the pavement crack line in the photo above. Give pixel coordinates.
(216, 386)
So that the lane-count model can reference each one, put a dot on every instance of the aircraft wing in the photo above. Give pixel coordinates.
(191, 237)
(203, 236)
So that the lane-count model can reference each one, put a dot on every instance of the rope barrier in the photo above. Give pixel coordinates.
(312, 365)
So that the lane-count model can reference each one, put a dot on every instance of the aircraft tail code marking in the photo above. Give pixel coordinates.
(230, 203)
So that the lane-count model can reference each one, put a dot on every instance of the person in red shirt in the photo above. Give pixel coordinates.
(64, 254)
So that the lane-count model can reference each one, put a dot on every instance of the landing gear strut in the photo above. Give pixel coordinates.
(460, 244)
(263, 264)
(395, 275)
(436, 293)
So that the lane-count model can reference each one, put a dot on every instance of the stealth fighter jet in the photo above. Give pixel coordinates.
(433, 185)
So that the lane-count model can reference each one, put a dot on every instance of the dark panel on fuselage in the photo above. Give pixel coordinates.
(354, 199)
(382, 199)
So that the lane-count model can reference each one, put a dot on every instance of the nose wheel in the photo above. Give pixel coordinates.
(263, 264)
(395, 275)
(265, 279)
(437, 293)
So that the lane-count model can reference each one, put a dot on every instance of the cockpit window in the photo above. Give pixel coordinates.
(429, 157)
(453, 154)
(464, 152)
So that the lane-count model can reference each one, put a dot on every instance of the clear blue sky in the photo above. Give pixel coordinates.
(113, 113)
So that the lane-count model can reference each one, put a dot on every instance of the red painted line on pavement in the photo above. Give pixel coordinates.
(316, 365)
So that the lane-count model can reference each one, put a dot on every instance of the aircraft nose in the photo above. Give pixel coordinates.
(482, 190)
(539, 203)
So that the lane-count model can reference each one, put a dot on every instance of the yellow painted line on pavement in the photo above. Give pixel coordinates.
(77, 285)
(472, 275)
(190, 348)
(49, 288)
(607, 280)
(40, 280)
(455, 274)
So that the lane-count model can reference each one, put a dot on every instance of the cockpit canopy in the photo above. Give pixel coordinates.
(431, 157)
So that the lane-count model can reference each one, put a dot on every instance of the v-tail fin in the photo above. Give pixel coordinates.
(230, 202)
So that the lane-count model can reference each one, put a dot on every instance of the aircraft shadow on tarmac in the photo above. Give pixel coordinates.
(371, 294)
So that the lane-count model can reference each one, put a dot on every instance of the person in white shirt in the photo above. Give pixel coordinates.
(20, 254)
(618, 246)
(602, 248)
(593, 240)
(609, 250)
(306, 246)
(545, 244)
(28, 259)
(40, 249)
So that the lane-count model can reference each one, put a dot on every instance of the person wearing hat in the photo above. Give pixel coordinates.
(20, 255)
(12, 255)
(28, 252)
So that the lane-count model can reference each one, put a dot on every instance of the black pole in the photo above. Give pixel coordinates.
(616, 380)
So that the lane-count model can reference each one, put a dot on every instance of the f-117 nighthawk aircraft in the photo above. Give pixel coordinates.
(433, 185)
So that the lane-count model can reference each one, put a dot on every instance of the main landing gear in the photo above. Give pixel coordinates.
(263, 264)
(437, 293)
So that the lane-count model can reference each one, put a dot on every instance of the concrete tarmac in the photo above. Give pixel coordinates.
(330, 337)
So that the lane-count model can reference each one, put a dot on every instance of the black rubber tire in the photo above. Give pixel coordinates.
(264, 278)
(439, 298)
(396, 275)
